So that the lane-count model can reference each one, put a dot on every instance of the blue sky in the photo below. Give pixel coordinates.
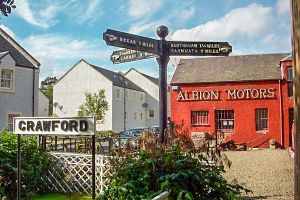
(58, 33)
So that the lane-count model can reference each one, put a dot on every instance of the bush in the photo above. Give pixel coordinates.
(33, 163)
(148, 174)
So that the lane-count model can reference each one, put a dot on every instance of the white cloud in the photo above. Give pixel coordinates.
(251, 21)
(35, 18)
(282, 7)
(141, 8)
(83, 12)
(8, 31)
(186, 14)
(54, 51)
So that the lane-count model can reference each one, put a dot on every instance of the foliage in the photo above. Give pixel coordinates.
(106, 134)
(148, 174)
(95, 105)
(33, 163)
(47, 89)
(6, 6)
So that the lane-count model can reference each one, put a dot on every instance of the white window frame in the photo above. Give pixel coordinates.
(149, 113)
(7, 119)
(261, 114)
(13, 82)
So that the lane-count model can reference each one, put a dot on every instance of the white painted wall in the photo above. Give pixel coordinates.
(43, 105)
(26, 89)
(69, 92)
(152, 96)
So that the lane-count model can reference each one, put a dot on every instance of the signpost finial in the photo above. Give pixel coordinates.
(162, 31)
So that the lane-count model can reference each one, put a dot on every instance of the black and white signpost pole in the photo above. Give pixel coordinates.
(19, 168)
(162, 59)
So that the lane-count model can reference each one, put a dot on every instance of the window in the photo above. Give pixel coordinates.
(225, 120)
(118, 93)
(10, 120)
(151, 113)
(141, 116)
(6, 79)
(261, 118)
(290, 81)
(142, 97)
(135, 115)
(199, 118)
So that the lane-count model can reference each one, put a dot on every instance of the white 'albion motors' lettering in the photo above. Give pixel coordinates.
(198, 95)
(262, 93)
(251, 94)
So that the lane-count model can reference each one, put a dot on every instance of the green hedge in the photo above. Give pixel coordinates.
(33, 162)
(146, 175)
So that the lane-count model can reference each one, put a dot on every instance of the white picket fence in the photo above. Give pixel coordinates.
(73, 173)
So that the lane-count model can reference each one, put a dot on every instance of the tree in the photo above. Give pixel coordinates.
(6, 6)
(95, 105)
(47, 89)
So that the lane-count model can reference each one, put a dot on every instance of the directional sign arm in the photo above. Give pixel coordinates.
(181, 48)
(128, 55)
(130, 41)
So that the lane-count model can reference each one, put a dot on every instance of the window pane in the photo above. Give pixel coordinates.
(290, 74)
(11, 117)
(199, 117)
(6, 83)
(6, 74)
(261, 119)
(225, 120)
(290, 89)
(151, 113)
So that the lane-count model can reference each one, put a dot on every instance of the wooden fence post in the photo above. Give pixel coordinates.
(295, 12)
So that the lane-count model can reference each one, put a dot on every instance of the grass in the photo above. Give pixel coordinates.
(56, 196)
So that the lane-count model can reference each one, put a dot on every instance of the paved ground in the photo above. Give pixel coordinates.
(268, 173)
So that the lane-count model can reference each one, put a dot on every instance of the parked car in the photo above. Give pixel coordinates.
(131, 135)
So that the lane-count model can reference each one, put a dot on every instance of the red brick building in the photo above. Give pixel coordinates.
(247, 99)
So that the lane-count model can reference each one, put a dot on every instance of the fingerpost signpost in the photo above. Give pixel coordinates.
(162, 50)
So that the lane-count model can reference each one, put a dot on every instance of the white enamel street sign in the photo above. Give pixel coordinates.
(54, 126)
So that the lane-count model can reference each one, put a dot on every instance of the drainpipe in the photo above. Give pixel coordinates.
(33, 91)
(281, 113)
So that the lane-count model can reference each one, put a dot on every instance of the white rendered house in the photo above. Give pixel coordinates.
(19, 79)
(129, 104)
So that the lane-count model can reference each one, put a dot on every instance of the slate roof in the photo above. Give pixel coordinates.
(21, 60)
(154, 80)
(118, 79)
(229, 69)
